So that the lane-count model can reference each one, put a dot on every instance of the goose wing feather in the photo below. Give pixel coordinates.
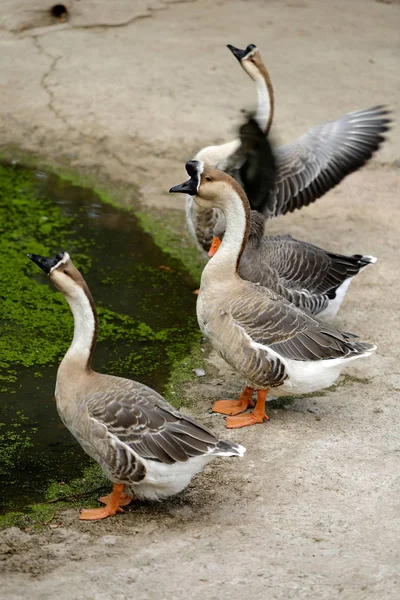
(270, 320)
(141, 419)
(320, 159)
(303, 266)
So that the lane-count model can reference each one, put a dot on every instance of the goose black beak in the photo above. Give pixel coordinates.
(46, 264)
(189, 187)
(194, 168)
(241, 54)
(237, 52)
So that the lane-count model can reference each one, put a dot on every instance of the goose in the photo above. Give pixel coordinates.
(269, 341)
(305, 169)
(143, 444)
(308, 276)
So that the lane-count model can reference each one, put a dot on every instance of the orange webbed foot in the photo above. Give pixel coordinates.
(123, 501)
(111, 508)
(235, 407)
(245, 420)
(231, 407)
(95, 514)
(255, 416)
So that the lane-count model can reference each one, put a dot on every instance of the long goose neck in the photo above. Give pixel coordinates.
(225, 262)
(86, 327)
(265, 99)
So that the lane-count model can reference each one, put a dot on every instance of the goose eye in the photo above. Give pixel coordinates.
(208, 178)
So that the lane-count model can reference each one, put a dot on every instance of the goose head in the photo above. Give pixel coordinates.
(249, 59)
(62, 272)
(210, 187)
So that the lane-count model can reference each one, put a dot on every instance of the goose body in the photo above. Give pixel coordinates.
(144, 445)
(305, 169)
(308, 276)
(265, 338)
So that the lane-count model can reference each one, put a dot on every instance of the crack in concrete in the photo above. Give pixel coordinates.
(46, 86)
(51, 106)
(68, 26)
(147, 15)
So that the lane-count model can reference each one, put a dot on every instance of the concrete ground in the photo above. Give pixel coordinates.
(129, 91)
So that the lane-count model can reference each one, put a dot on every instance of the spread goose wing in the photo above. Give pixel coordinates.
(137, 417)
(320, 159)
(270, 320)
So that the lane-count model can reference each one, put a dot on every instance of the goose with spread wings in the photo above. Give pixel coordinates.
(267, 340)
(304, 170)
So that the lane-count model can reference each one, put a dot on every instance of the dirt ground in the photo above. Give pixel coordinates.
(131, 90)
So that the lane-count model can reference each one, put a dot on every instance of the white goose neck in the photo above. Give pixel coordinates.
(216, 156)
(264, 106)
(85, 331)
(224, 263)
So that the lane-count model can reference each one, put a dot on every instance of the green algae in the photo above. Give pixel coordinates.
(14, 441)
(181, 373)
(37, 324)
(169, 231)
(31, 313)
(60, 496)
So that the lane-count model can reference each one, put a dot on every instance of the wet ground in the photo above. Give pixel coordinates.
(146, 305)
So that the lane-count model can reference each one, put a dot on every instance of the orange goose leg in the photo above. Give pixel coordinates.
(111, 508)
(255, 416)
(234, 407)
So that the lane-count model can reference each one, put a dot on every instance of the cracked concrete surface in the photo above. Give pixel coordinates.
(130, 91)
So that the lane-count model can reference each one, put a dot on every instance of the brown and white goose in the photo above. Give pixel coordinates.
(143, 444)
(305, 169)
(265, 338)
(308, 276)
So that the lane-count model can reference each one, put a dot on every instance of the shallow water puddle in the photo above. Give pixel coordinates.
(146, 310)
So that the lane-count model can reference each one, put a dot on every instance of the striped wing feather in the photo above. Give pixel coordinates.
(320, 159)
(272, 321)
(303, 265)
(141, 419)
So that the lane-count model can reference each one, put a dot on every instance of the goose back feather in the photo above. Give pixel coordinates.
(310, 277)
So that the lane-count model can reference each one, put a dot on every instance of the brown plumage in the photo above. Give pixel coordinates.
(310, 277)
(143, 444)
(304, 170)
(266, 339)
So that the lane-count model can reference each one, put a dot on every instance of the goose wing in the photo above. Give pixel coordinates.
(303, 266)
(136, 416)
(299, 265)
(270, 320)
(320, 159)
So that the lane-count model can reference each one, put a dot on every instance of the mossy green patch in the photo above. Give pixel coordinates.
(146, 310)
(59, 496)
(183, 371)
(30, 314)
(169, 231)
(14, 440)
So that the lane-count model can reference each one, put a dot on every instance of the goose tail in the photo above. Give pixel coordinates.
(364, 260)
(224, 448)
(360, 349)
(344, 267)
